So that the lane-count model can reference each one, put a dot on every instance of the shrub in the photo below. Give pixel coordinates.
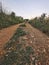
(41, 23)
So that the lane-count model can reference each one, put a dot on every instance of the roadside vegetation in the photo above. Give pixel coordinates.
(7, 20)
(41, 23)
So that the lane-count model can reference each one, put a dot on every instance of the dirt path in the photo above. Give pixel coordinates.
(6, 34)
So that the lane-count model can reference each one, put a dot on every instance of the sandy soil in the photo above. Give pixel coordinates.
(6, 34)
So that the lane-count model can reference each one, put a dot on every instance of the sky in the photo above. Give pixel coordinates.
(27, 8)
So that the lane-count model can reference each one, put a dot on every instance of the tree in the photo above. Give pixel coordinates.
(1, 7)
(13, 14)
(42, 17)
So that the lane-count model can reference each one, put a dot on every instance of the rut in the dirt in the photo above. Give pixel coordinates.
(6, 34)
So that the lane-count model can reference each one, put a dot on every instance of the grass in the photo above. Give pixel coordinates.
(19, 32)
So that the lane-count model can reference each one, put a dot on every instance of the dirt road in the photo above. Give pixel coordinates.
(35, 38)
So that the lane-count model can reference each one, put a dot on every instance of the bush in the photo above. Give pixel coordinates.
(7, 20)
(41, 23)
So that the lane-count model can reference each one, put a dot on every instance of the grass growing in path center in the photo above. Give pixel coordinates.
(16, 54)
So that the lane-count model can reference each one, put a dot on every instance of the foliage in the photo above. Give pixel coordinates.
(19, 32)
(7, 20)
(19, 56)
(41, 23)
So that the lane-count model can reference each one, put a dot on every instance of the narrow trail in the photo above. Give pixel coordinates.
(6, 34)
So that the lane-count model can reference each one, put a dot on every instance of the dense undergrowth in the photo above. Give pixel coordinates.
(7, 20)
(41, 23)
